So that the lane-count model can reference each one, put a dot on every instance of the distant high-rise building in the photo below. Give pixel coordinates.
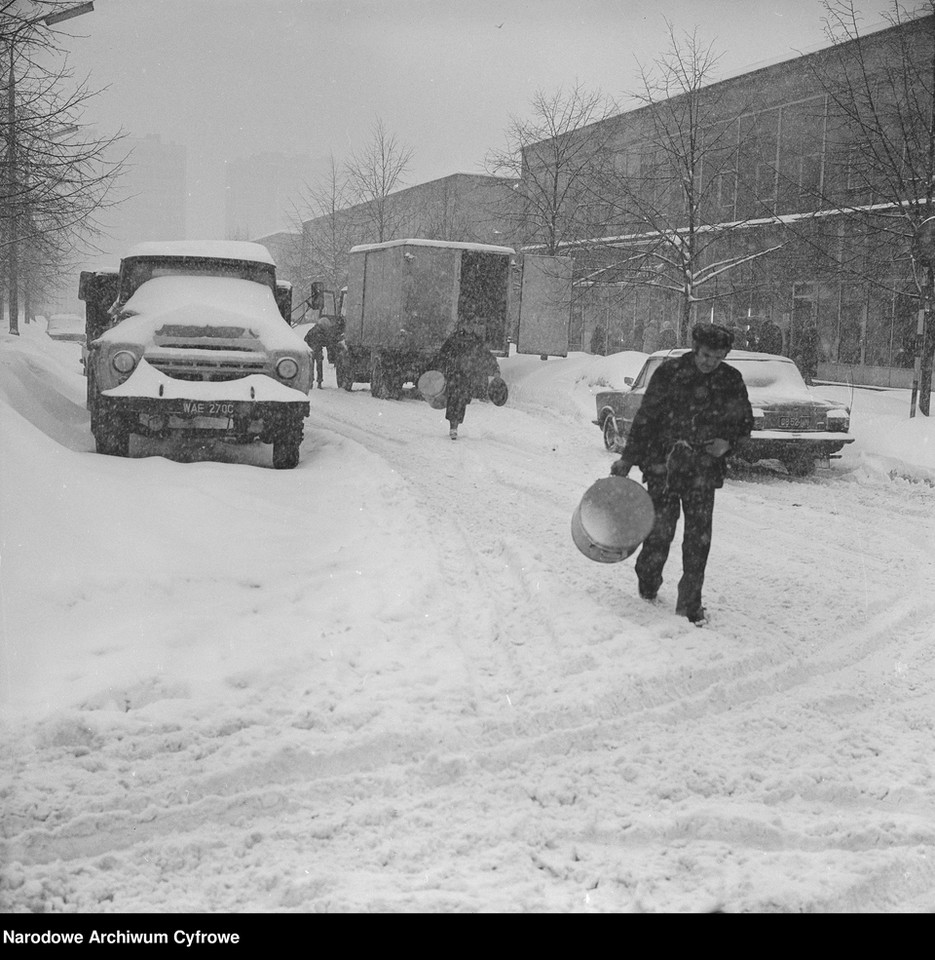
(263, 192)
(147, 202)
(152, 193)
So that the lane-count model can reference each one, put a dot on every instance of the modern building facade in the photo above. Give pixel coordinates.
(790, 193)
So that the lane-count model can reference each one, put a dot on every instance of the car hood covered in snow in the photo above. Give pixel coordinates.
(240, 312)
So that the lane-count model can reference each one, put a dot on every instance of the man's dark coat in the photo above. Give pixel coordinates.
(682, 403)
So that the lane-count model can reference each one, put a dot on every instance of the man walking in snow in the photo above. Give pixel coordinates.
(694, 412)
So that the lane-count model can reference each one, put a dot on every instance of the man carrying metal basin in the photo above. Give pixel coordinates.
(695, 410)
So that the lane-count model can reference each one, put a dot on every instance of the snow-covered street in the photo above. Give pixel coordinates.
(386, 681)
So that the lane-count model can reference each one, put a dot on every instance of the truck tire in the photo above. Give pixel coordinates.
(344, 375)
(111, 436)
(379, 378)
(287, 443)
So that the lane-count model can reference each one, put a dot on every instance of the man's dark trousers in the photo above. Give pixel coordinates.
(698, 505)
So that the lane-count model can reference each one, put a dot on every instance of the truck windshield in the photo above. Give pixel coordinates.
(135, 272)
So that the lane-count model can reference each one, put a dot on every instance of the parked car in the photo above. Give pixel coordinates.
(791, 424)
(65, 326)
(191, 339)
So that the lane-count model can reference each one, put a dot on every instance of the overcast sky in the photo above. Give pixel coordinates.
(231, 78)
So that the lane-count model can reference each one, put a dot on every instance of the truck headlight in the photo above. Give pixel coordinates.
(123, 361)
(839, 421)
(287, 368)
(759, 418)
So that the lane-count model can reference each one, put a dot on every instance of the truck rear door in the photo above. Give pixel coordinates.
(545, 305)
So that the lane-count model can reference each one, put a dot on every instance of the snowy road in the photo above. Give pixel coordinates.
(482, 719)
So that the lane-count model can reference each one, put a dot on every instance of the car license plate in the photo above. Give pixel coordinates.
(794, 423)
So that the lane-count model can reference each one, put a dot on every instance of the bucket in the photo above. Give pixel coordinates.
(432, 387)
(497, 391)
(614, 517)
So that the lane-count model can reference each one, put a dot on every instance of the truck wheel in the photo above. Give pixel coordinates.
(610, 433)
(379, 386)
(344, 378)
(287, 443)
(111, 437)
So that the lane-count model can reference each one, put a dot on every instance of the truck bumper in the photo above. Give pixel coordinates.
(222, 419)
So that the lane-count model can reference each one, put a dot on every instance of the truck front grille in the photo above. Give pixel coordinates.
(206, 370)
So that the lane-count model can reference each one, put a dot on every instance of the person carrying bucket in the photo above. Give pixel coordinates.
(461, 357)
(695, 410)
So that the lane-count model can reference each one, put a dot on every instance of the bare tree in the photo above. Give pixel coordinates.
(57, 177)
(880, 153)
(324, 228)
(553, 162)
(372, 173)
(674, 190)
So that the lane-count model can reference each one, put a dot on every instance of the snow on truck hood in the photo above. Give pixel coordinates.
(245, 309)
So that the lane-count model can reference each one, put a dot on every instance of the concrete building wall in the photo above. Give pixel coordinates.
(791, 157)
(465, 207)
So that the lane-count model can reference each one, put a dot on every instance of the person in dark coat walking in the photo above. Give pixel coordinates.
(770, 338)
(806, 351)
(667, 339)
(695, 410)
(461, 359)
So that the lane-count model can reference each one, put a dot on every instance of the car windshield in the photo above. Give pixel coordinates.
(774, 376)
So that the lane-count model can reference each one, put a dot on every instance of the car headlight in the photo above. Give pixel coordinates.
(287, 368)
(759, 418)
(838, 421)
(123, 361)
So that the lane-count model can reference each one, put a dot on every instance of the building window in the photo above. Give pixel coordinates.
(765, 185)
(726, 190)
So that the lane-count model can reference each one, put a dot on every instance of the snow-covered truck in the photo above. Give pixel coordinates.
(192, 339)
(406, 297)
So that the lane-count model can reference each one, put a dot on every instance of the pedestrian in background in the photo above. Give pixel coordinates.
(650, 338)
(668, 339)
(462, 359)
(317, 339)
(694, 412)
(806, 351)
(770, 338)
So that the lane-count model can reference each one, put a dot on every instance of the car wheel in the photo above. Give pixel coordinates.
(610, 434)
(801, 466)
